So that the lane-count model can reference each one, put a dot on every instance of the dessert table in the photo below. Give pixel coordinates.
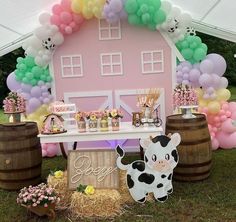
(127, 131)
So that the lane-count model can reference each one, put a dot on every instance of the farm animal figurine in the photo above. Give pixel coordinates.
(154, 174)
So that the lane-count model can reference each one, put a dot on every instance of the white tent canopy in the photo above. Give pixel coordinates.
(18, 18)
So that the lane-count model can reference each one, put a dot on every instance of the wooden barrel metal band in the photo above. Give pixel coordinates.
(194, 120)
(21, 180)
(30, 148)
(202, 126)
(195, 142)
(19, 170)
(186, 165)
(191, 174)
(30, 136)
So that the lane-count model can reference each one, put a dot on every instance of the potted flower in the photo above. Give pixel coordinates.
(93, 120)
(40, 199)
(104, 120)
(115, 114)
(80, 118)
(14, 105)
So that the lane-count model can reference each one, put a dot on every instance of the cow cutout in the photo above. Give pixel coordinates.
(154, 174)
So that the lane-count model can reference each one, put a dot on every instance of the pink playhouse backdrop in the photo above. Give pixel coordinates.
(103, 66)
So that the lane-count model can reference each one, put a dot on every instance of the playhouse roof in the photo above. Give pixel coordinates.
(53, 114)
(20, 18)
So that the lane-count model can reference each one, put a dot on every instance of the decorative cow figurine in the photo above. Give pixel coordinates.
(154, 174)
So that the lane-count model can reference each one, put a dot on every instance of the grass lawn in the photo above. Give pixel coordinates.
(232, 89)
(213, 199)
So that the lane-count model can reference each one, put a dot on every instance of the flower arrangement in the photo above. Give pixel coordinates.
(58, 174)
(86, 189)
(149, 98)
(104, 114)
(41, 195)
(80, 116)
(14, 103)
(115, 113)
(184, 95)
(93, 115)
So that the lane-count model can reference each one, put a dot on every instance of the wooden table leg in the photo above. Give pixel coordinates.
(141, 151)
(63, 150)
(74, 145)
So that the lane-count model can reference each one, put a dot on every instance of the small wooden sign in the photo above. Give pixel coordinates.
(92, 167)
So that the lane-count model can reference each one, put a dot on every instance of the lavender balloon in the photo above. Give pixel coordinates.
(113, 11)
(219, 63)
(12, 83)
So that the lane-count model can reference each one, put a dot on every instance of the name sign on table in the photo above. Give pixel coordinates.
(92, 167)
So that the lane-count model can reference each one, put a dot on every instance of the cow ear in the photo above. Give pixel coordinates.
(145, 143)
(175, 139)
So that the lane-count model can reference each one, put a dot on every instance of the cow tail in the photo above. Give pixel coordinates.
(121, 154)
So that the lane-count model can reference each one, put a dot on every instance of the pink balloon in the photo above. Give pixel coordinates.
(52, 149)
(57, 9)
(66, 5)
(66, 17)
(214, 144)
(68, 30)
(55, 20)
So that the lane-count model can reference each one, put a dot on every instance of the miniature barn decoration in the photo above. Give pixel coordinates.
(113, 80)
(53, 124)
(94, 167)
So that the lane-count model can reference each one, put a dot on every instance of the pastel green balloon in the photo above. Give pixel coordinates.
(29, 61)
(160, 16)
(131, 6)
(29, 75)
(199, 54)
(187, 53)
(204, 47)
(134, 20)
(146, 18)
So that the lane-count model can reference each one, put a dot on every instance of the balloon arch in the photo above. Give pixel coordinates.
(204, 72)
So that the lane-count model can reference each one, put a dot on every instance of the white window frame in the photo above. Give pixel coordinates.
(111, 64)
(109, 29)
(72, 66)
(152, 62)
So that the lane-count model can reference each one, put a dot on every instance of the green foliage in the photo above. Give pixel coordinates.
(225, 48)
(7, 65)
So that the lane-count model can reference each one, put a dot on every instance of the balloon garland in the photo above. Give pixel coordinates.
(204, 72)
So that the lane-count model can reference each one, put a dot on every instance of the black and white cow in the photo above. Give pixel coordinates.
(154, 174)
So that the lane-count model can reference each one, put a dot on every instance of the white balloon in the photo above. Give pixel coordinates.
(44, 18)
(166, 7)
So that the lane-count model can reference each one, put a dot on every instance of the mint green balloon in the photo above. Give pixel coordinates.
(199, 54)
(131, 6)
(146, 18)
(159, 17)
(19, 60)
(190, 39)
(134, 20)
(204, 47)
(198, 40)
(187, 53)
(193, 45)
(184, 44)
(33, 82)
(49, 78)
(29, 75)
(29, 61)
(155, 3)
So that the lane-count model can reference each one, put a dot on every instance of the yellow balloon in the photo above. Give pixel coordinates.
(223, 94)
(199, 92)
(213, 107)
(88, 14)
(77, 6)
(97, 12)
(202, 103)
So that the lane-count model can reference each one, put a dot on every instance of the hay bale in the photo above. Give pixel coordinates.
(60, 186)
(123, 189)
(103, 203)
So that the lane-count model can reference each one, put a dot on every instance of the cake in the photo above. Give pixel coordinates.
(14, 103)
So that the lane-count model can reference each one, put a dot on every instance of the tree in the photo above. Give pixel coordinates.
(7, 65)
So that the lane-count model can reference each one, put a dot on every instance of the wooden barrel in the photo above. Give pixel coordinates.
(195, 152)
(20, 156)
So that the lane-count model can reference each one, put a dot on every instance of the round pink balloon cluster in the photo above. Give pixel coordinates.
(113, 11)
(222, 126)
(65, 19)
(49, 149)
